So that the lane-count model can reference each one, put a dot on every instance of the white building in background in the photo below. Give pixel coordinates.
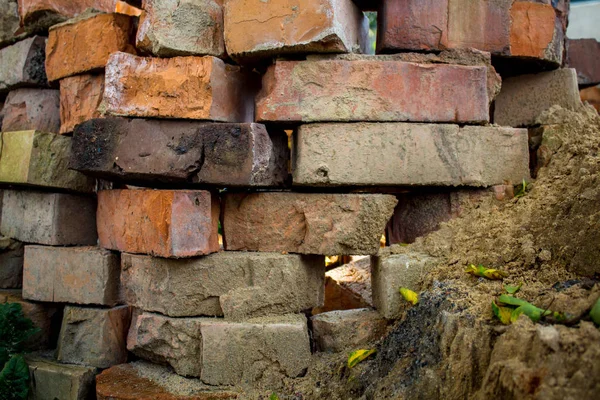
(584, 20)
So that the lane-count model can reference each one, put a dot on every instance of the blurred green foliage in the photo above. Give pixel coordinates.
(372, 30)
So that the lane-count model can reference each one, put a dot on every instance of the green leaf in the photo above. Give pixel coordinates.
(522, 189)
(481, 271)
(273, 396)
(14, 379)
(409, 296)
(595, 313)
(359, 355)
(511, 300)
(513, 289)
(15, 329)
(502, 313)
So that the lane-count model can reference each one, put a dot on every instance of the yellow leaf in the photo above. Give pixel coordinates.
(409, 296)
(480, 270)
(502, 313)
(359, 355)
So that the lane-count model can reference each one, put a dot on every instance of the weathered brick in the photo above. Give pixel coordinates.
(52, 380)
(222, 352)
(306, 223)
(43, 316)
(347, 329)
(40, 159)
(11, 263)
(22, 64)
(390, 272)
(283, 27)
(434, 155)
(583, 56)
(32, 109)
(373, 88)
(185, 152)
(94, 336)
(54, 219)
(141, 380)
(9, 22)
(592, 96)
(39, 15)
(68, 51)
(219, 284)
(523, 98)
(164, 223)
(82, 275)
(180, 87)
(80, 97)
(188, 27)
(503, 27)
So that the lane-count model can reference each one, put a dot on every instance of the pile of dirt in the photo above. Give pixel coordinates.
(449, 345)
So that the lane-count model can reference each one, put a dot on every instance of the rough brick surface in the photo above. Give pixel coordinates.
(82, 275)
(523, 98)
(22, 64)
(348, 287)
(306, 223)
(32, 109)
(141, 380)
(364, 154)
(283, 27)
(9, 22)
(80, 97)
(592, 96)
(52, 380)
(372, 89)
(68, 51)
(233, 284)
(53, 219)
(40, 159)
(347, 329)
(163, 223)
(94, 336)
(39, 15)
(43, 316)
(188, 27)
(184, 152)
(11, 263)
(391, 272)
(180, 87)
(222, 352)
(502, 27)
(583, 56)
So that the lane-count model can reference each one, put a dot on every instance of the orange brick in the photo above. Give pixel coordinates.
(70, 51)
(80, 97)
(181, 87)
(163, 223)
(532, 32)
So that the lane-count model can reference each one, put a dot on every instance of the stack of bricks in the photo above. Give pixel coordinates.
(185, 108)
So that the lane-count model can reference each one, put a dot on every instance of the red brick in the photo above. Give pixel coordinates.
(306, 223)
(181, 87)
(503, 27)
(584, 56)
(80, 97)
(284, 27)
(32, 109)
(164, 223)
(37, 15)
(68, 51)
(373, 89)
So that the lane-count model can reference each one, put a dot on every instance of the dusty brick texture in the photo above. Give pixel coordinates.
(53, 219)
(94, 336)
(583, 56)
(181, 152)
(282, 27)
(11, 263)
(163, 223)
(52, 380)
(303, 223)
(403, 154)
(181, 87)
(22, 64)
(219, 284)
(80, 97)
(81, 275)
(9, 22)
(32, 109)
(40, 159)
(68, 51)
(39, 15)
